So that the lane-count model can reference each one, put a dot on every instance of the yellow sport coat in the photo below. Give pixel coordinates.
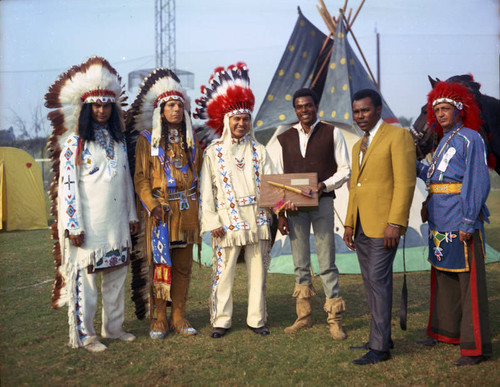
(381, 189)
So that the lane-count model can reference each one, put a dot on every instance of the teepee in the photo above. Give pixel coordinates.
(329, 65)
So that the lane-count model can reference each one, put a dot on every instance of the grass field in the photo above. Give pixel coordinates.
(33, 337)
(34, 351)
(492, 229)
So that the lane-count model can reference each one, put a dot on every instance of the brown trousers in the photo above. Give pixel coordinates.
(459, 305)
(182, 263)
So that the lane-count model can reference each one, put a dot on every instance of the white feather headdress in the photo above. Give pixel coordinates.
(92, 81)
(145, 112)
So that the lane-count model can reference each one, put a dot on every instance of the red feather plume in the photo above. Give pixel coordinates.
(470, 113)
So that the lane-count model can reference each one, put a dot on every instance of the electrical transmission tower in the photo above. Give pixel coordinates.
(165, 47)
(165, 33)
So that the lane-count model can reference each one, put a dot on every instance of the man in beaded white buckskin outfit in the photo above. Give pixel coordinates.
(230, 187)
(167, 166)
(93, 200)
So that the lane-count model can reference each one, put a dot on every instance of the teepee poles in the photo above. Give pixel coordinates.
(332, 27)
(343, 9)
(349, 25)
(331, 24)
(349, 15)
(362, 55)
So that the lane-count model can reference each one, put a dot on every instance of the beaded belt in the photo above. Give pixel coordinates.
(244, 201)
(445, 188)
(179, 195)
(157, 193)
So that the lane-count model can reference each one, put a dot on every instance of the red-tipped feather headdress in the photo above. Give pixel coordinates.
(228, 92)
(458, 96)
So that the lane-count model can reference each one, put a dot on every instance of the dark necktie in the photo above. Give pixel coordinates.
(364, 146)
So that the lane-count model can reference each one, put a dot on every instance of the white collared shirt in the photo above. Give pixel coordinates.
(339, 150)
(373, 132)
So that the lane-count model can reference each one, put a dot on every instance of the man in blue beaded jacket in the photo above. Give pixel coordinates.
(458, 183)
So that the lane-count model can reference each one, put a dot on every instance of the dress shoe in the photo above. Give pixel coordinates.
(469, 360)
(217, 333)
(427, 342)
(263, 331)
(365, 346)
(371, 358)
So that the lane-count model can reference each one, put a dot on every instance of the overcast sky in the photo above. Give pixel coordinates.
(41, 39)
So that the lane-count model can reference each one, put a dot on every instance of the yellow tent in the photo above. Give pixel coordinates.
(22, 204)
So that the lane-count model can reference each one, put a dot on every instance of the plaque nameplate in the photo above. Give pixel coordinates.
(305, 183)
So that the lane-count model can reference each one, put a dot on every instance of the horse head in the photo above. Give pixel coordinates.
(425, 140)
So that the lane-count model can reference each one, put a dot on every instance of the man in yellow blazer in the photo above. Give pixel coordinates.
(381, 191)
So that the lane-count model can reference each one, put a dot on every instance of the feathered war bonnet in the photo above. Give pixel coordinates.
(159, 86)
(227, 94)
(92, 81)
(460, 98)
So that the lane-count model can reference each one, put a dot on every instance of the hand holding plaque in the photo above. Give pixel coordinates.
(298, 188)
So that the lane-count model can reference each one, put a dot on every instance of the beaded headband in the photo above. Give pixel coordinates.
(458, 105)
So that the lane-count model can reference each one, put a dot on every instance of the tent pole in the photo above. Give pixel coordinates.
(327, 18)
(363, 56)
(327, 58)
(349, 16)
(330, 35)
(355, 16)
(330, 24)
(332, 27)
(378, 60)
(344, 7)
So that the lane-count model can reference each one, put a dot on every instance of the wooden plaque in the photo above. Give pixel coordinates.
(308, 182)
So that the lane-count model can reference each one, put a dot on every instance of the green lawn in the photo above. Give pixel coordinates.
(33, 337)
(493, 228)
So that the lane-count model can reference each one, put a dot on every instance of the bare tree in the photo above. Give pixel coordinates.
(31, 135)
(20, 125)
(37, 128)
(39, 122)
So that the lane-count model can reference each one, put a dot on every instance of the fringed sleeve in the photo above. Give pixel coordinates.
(142, 177)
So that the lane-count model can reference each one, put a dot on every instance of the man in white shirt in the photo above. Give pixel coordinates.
(314, 146)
